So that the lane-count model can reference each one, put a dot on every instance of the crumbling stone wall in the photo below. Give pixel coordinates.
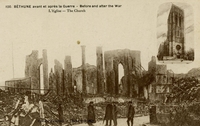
(162, 77)
(100, 74)
(45, 70)
(130, 61)
(52, 82)
(68, 74)
(58, 72)
(32, 69)
(91, 78)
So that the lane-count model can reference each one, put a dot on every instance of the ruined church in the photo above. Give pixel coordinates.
(87, 79)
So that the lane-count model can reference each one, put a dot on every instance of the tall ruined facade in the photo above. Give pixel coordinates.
(59, 78)
(32, 69)
(60, 81)
(52, 82)
(89, 79)
(68, 74)
(100, 74)
(130, 61)
(84, 85)
(174, 46)
(163, 80)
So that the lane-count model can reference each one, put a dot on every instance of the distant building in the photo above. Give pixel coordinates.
(36, 74)
(18, 85)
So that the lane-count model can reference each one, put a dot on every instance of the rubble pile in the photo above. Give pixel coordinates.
(74, 108)
(185, 89)
(7, 103)
(184, 95)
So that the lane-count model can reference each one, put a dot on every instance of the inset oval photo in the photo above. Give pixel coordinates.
(175, 33)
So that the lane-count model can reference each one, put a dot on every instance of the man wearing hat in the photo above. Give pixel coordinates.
(130, 113)
(91, 114)
(109, 114)
(114, 113)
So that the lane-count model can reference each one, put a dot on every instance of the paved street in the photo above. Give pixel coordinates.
(138, 121)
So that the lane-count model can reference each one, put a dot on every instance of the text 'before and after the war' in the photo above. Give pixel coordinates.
(64, 8)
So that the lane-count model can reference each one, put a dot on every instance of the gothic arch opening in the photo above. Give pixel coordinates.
(120, 78)
(41, 75)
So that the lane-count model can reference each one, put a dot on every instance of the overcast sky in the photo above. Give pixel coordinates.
(133, 26)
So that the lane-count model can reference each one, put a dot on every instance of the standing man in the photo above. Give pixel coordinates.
(114, 112)
(130, 113)
(91, 114)
(108, 114)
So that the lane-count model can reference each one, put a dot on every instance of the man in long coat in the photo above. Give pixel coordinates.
(130, 113)
(91, 114)
(109, 114)
(114, 113)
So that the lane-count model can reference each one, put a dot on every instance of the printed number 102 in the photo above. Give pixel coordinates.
(8, 6)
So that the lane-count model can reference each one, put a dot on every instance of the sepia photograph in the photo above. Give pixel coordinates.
(175, 33)
(100, 63)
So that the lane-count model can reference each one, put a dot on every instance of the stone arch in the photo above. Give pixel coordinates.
(32, 69)
(120, 78)
(116, 63)
(128, 58)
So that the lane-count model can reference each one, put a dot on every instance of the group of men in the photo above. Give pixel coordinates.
(111, 112)
(27, 112)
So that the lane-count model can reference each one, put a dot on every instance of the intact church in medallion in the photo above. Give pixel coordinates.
(172, 34)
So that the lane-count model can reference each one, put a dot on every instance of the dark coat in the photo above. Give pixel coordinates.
(114, 112)
(131, 112)
(91, 114)
(108, 113)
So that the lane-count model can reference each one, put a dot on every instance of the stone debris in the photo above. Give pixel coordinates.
(74, 108)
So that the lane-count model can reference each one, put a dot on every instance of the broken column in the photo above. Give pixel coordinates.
(58, 72)
(51, 78)
(45, 71)
(68, 75)
(52, 82)
(100, 76)
(83, 70)
(108, 58)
